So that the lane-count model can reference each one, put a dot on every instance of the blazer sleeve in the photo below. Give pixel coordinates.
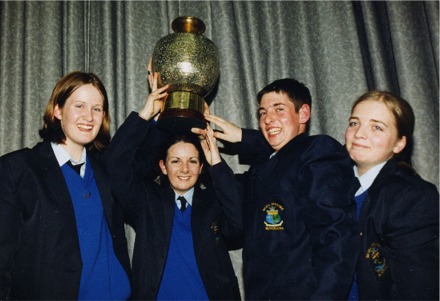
(412, 231)
(124, 165)
(329, 212)
(253, 142)
(252, 148)
(11, 222)
(230, 196)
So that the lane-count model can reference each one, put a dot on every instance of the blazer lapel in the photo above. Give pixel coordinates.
(200, 222)
(103, 187)
(262, 175)
(49, 172)
(166, 206)
(372, 196)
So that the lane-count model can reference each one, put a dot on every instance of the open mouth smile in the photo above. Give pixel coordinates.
(274, 131)
(85, 127)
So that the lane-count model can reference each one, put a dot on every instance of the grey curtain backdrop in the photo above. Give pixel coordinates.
(339, 50)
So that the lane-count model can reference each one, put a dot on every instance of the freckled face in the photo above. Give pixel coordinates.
(182, 166)
(279, 122)
(82, 116)
(372, 137)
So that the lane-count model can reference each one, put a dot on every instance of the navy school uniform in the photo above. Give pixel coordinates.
(399, 230)
(40, 254)
(151, 209)
(301, 237)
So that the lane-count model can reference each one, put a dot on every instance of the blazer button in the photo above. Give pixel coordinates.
(361, 234)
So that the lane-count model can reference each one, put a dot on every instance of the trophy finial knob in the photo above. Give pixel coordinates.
(188, 24)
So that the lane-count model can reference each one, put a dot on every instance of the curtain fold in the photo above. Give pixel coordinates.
(338, 49)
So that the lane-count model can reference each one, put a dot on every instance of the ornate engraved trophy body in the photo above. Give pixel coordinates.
(188, 62)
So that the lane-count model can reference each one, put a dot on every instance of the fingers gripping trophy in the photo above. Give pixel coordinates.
(188, 62)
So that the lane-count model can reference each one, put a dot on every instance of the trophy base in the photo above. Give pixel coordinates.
(180, 120)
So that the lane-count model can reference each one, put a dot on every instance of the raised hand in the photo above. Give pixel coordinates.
(229, 131)
(154, 104)
(209, 146)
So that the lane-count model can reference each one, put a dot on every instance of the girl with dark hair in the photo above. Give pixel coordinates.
(181, 225)
(398, 211)
(61, 235)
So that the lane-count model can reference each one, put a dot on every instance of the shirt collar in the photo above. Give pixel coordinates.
(63, 156)
(367, 179)
(187, 195)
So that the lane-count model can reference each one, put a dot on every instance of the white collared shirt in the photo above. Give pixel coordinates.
(188, 197)
(367, 179)
(63, 156)
(272, 155)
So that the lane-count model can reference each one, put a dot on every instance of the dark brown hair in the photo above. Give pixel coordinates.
(172, 139)
(297, 92)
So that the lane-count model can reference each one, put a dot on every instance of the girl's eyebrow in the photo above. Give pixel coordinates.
(378, 121)
(371, 120)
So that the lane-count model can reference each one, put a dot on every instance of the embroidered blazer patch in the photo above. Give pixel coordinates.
(379, 262)
(273, 220)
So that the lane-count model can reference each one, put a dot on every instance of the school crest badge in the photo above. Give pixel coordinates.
(380, 264)
(273, 220)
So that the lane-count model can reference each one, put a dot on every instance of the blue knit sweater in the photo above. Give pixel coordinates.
(354, 294)
(102, 277)
(181, 279)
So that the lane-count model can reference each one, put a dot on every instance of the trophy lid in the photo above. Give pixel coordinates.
(188, 24)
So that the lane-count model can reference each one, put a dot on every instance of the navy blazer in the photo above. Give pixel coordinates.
(300, 225)
(150, 208)
(39, 247)
(399, 257)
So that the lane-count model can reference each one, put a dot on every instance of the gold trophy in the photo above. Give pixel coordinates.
(189, 63)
